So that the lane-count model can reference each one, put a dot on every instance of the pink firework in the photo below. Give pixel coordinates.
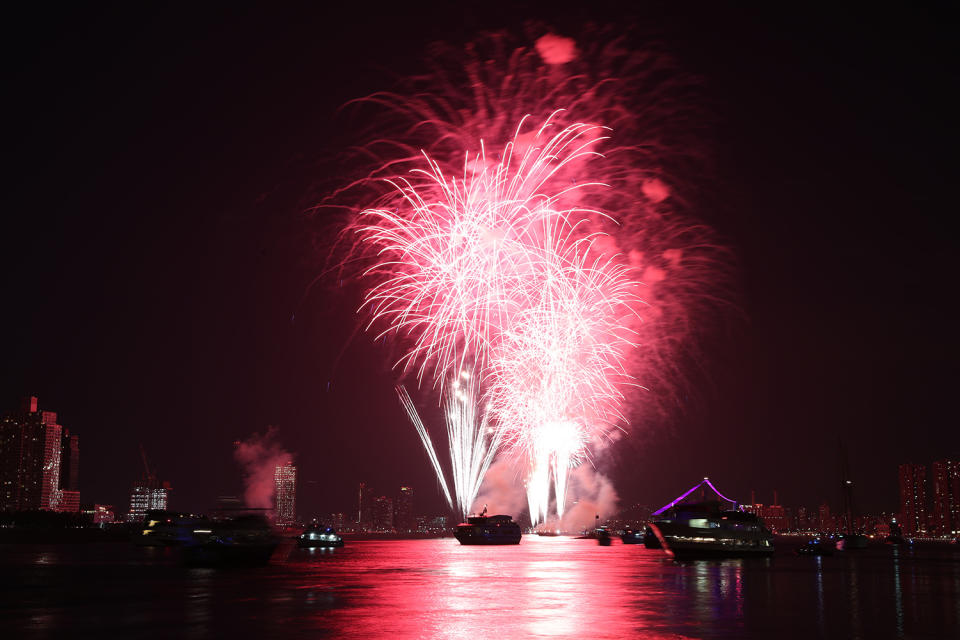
(498, 266)
(457, 255)
(564, 293)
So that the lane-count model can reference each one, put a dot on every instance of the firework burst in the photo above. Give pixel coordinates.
(562, 292)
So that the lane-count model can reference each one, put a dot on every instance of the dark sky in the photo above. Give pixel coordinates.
(156, 261)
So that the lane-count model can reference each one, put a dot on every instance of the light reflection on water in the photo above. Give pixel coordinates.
(544, 587)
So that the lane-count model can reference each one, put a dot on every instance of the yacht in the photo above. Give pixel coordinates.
(484, 529)
(702, 529)
(319, 537)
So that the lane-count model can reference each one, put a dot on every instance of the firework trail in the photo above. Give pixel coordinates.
(473, 443)
(425, 439)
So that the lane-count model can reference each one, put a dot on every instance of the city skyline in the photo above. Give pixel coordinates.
(924, 507)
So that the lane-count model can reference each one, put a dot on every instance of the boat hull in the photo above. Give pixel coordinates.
(684, 542)
(486, 537)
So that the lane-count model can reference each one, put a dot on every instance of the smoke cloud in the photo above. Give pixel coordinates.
(258, 457)
(589, 494)
(502, 491)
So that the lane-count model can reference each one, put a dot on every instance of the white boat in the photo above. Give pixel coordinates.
(703, 530)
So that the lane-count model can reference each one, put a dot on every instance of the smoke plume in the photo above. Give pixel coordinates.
(258, 457)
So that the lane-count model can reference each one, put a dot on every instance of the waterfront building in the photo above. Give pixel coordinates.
(825, 519)
(431, 524)
(30, 456)
(145, 498)
(913, 498)
(69, 473)
(285, 493)
(776, 517)
(383, 514)
(364, 506)
(337, 520)
(103, 514)
(946, 497)
(404, 520)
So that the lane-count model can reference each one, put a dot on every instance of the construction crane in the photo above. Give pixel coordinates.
(149, 477)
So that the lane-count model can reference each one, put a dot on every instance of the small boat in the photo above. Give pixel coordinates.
(631, 536)
(548, 533)
(702, 530)
(166, 529)
(816, 547)
(850, 541)
(242, 541)
(488, 530)
(319, 537)
(603, 537)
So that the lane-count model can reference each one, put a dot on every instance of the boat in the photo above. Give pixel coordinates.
(816, 547)
(631, 536)
(484, 529)
(165, 529)
(548, 533)
(650, 540)
(603, 537)
(314, 537)
(849, 541)
(244, 540)
(703, 530)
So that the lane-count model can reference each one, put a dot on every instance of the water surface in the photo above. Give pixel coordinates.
(544, 587)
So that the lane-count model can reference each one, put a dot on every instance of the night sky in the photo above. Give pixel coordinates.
(157, 254)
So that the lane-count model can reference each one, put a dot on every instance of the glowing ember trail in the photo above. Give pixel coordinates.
(473, 443)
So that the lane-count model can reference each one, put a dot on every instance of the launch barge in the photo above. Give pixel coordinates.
(488, 530)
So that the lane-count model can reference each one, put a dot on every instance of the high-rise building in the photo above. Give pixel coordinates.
(946, 497)
(404, 520)
(383, 514)
(30, 442)
(364, 507)
(825, 520)
(146, 498)
(69, 472)
(148, 494)
(285, 492)
(50, 489)
(913, 498)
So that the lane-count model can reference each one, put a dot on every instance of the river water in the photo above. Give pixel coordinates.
(544, 587)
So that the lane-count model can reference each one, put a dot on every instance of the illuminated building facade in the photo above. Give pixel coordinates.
(824, 518)
(913, 498)
(30, 458)
(946, 497)
(69, 473)
(404, 520)
(146, 498)
(285, 493)
(383, 514)
(103, 514)
(364, 506)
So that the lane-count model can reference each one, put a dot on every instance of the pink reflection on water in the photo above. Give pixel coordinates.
(544, 587)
